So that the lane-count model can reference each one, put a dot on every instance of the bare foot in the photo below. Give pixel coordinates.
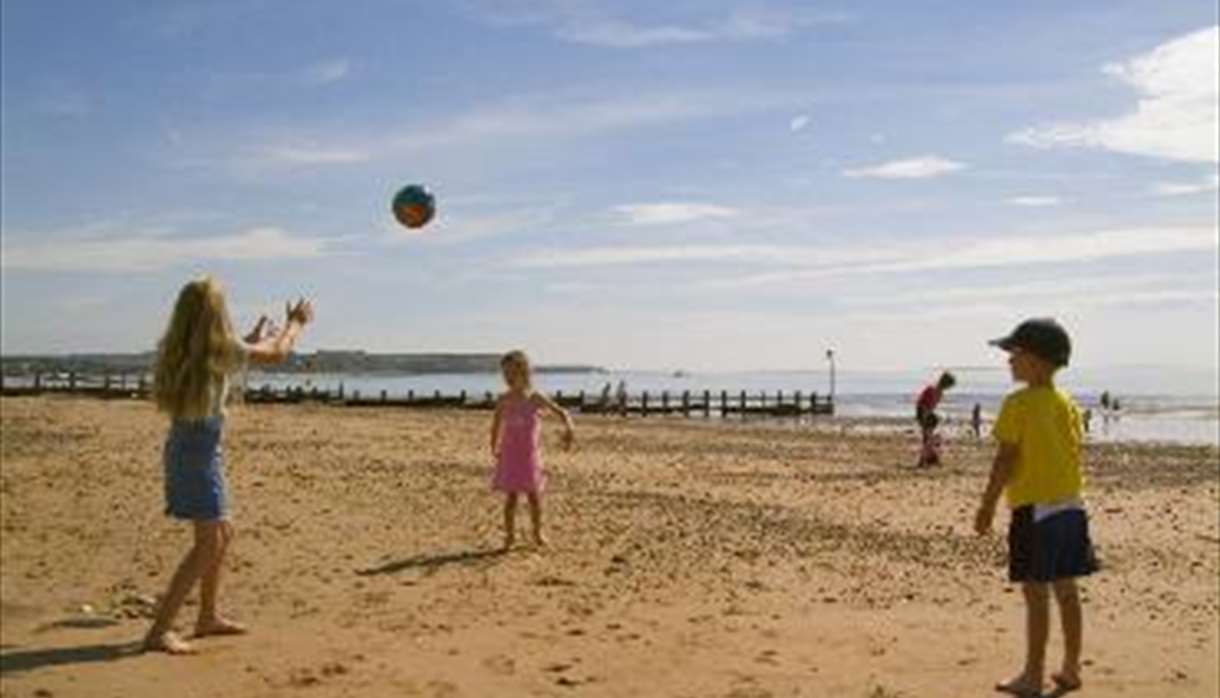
(167, 642)
(218, 626)
(1021, 686)
(540, 540)
(508, 543)
(1067, 680)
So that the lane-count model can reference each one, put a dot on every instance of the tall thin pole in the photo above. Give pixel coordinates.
(830, 356)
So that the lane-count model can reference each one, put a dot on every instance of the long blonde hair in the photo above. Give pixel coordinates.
(197, 351)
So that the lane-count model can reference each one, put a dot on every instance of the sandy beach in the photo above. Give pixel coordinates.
(687, 559)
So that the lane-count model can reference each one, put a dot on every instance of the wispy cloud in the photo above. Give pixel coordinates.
(1012, 251)
(806, 262)
(1034, 201)
(1176, 116)
(555, 117)
(306, 156)
(590, 24)
(152, 253)
(671, 212)
(920, 167)
(327, 72)
(1201, 186)
(798, 123)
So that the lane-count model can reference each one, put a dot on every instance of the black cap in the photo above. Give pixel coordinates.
(1043, 337)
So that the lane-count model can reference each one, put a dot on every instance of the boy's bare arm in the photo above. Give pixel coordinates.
(1001, 471)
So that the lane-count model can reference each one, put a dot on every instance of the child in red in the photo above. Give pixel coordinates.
(925, 415)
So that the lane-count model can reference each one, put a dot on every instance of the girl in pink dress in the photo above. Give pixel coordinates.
(515, 430)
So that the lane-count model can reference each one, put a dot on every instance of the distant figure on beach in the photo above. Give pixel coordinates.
(976, 420)
(925, 415)
(621, 395)
(605, 400)
(1087, 420)
(195, 360)
(1105, 400)
(1037, 467)
(515, 435)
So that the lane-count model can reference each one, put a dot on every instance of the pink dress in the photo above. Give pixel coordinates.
(519, 469)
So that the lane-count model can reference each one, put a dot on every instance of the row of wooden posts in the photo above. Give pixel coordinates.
(686, 403)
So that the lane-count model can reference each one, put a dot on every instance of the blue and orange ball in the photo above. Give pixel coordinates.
(414, 206)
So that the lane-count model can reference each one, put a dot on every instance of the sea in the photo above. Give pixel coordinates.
(1156, 404)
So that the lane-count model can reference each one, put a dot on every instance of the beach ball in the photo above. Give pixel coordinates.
(414, 206)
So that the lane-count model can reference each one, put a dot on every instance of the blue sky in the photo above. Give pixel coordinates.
(706, 185)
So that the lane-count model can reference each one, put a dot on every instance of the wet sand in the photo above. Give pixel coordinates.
(687, 559)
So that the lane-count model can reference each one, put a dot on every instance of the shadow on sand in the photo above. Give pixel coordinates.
(431, 563)
(28, 660)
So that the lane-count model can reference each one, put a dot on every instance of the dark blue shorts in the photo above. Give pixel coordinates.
(1056, 547)
(195, 486)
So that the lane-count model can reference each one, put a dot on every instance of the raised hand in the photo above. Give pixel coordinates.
(301, 312)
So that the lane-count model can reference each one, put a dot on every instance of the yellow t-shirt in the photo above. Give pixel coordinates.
(1044, 424)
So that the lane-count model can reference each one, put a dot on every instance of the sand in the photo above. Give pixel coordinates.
(687, 559)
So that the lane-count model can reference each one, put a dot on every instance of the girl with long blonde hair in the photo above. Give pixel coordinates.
(195, 358)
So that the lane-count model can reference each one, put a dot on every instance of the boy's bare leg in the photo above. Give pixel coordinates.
(535, 503)
(1037, 629)
(210, 622)
(160, 636)
(1068, 598)
(510, 516)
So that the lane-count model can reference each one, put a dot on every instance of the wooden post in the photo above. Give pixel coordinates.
(462, 396)
(685, 403)
(340, 390)
(644, 404)
(665, 402)
(37, 381)
(581, 401)
(743, 403)
(724, 402)
(72, 381)
(410, 396)
(383, 396)
(707, 404)
(797, 411)
(762, 398)
(436, 395)
(813, 403)
(141, 387)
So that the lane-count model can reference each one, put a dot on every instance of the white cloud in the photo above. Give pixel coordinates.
(671, 212)
(1176, 116)
(152, 253)
(582, 23)
(798, 123)
(1202, 186)
(1012, 251)
(912, 168)
(1034, 201)
(306, 156)
(327, 72)
(877, 138)
(566, 117)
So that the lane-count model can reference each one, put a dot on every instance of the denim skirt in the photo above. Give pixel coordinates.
(195, 487)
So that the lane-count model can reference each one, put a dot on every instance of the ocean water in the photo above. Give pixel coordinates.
(1157, 404)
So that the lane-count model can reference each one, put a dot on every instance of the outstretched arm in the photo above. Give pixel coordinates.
(497, 419)
(551, 406)
(1001, 471)
(276, 348)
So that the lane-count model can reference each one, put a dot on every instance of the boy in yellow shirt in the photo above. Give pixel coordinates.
(1037, 467)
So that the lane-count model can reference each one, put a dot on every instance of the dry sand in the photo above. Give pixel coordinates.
(688, 559)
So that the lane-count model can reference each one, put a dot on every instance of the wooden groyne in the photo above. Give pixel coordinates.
(687, 403)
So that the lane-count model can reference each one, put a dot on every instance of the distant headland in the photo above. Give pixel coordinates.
(321, 361)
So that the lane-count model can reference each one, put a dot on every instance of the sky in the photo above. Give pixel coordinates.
(706, 185)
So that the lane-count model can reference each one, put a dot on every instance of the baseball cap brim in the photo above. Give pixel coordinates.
(1006, 343)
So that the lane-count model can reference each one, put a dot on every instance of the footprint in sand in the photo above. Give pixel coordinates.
(501, 664)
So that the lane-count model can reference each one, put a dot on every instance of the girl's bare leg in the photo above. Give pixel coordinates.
(1068, 599)
(510, 515)
(210, 622)
(161, 635)
(535, 502)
